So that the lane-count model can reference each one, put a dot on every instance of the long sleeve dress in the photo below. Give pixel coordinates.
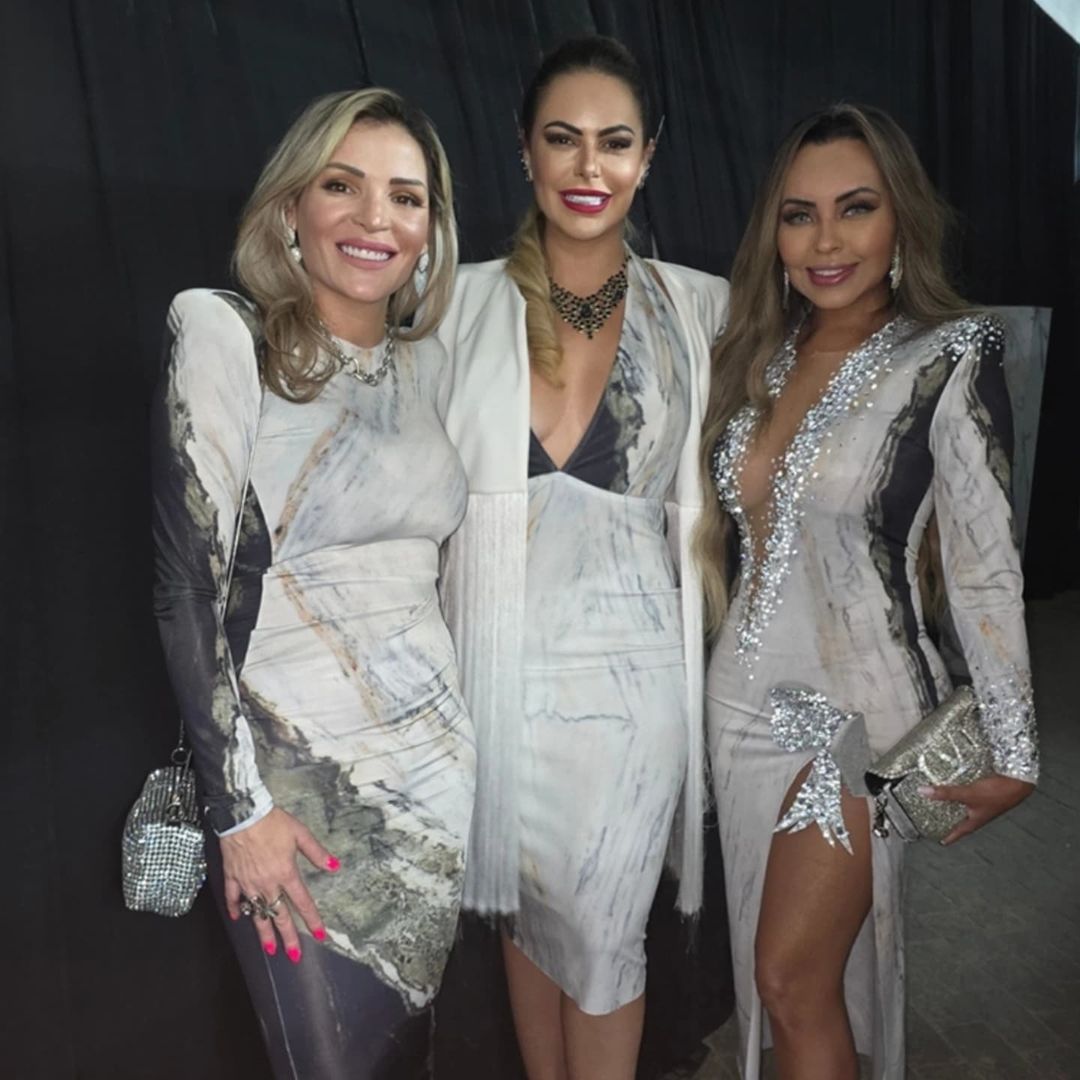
(327, 686)
(580, 649)
(914, 423)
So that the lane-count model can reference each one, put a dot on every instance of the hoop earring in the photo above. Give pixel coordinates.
(896, 269)
(786, 290)
(294, 248)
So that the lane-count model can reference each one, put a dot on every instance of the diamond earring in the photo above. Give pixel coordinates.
(294, 248)
(525, 166)
(896, 269)
(786, 289)
(644, 177)
(423, 263)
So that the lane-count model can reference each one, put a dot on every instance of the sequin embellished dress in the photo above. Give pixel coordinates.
(329, 688)
(915, 422)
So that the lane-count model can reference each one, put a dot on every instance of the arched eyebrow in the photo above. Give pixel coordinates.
(408, 181)
(864, 190)
(602, 133)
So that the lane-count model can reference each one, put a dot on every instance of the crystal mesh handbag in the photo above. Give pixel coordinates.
(948, 746)
(163, 853)
(163, 847)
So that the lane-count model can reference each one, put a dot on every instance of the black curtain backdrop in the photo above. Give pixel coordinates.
(130, 133)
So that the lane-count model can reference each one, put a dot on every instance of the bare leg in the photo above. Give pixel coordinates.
(603, 1047)
(536, 1004)
(815, 900)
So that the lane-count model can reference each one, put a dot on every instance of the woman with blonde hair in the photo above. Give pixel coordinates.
(579, 376)
(303, 484)
(858, 419)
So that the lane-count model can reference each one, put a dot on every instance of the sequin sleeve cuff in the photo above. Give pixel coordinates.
(1008, 715)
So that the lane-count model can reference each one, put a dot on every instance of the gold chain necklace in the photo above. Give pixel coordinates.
(586, 314)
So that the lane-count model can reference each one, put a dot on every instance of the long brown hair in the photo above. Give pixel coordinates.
(281, 289)
(527, 264)
(758, 321)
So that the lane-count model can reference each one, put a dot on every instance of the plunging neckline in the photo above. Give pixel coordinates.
(765, 565)
(600, 401)
(778, 462)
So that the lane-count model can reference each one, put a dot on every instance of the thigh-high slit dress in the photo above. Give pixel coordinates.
(914, 423)
(328, 685)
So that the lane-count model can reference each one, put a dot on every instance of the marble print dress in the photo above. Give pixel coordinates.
(604, 737)
(915, 422)
(329, 687)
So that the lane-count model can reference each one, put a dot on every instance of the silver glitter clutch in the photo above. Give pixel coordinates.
(948, 746)
(163, 852)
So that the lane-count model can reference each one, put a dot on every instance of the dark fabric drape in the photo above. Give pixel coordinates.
(130, 133)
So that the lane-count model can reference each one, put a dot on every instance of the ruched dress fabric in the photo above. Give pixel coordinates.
(915, 422)
(604, 734)
(329, 688)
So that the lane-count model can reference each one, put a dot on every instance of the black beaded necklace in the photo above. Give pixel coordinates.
(586, 314)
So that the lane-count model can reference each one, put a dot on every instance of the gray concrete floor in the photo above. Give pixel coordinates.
(993, 924)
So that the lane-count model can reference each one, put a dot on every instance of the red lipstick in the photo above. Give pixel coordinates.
(585, 200)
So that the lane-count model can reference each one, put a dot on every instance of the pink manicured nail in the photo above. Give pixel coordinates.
(270, 947)
(925, 791)
(293, 954)
(234, 916)
(319, 934)
(333, 863)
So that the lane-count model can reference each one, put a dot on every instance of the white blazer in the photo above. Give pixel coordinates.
(483, 580)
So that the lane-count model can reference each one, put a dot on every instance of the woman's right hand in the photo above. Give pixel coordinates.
(260, 862)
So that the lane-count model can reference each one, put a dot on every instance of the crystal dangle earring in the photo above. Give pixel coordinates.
(294, 248)
(786, 291)
(525, 165)
(896, 269)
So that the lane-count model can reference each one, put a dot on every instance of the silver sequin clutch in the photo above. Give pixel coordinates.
(163, 852)
(948, 746)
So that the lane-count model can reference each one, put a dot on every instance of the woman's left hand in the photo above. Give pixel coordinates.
(984, 799)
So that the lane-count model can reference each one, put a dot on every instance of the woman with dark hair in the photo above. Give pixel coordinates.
(858, 434)
(580, 371)
(300, 458)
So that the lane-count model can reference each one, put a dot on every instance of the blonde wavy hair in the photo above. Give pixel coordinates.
(289, 363)
(527, 264)
(758, 321)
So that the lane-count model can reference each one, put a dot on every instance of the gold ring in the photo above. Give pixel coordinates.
(258, 907)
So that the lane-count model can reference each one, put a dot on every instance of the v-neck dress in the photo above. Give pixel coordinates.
(605, 728)
(915, 422)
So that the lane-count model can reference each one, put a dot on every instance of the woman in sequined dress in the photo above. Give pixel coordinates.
(581, 656)
(304, 431)
(858, 416)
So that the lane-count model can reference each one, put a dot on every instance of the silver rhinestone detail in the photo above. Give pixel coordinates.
(791, 477)
(802, 719)
(1008, 716)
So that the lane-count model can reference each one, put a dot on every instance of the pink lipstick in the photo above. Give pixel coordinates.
(826, 276)
(585, 200)
(370, 254)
